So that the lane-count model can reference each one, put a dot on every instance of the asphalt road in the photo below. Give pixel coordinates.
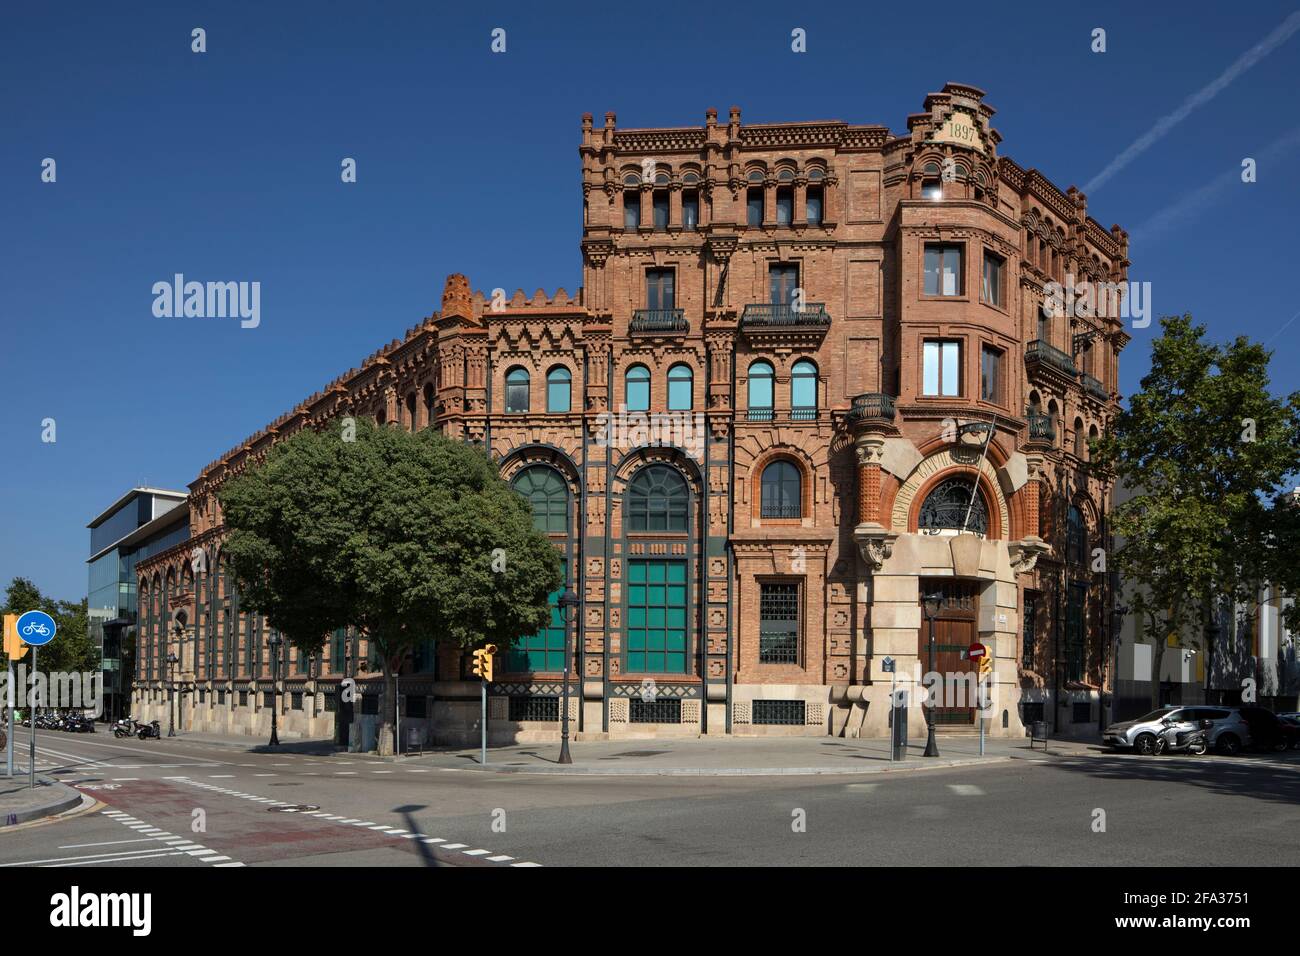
(177, 803)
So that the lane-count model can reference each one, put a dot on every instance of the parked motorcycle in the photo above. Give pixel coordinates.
(148, 730)
(125, 727)
(1172, 740)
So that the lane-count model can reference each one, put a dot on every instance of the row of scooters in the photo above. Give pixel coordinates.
(130, 727)
(70, 722)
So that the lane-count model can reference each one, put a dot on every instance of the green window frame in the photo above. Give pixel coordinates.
(656, 617)
(546, 493)
(543, 651)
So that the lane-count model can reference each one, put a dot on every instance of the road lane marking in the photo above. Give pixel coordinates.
(965, 789)
(81, 846)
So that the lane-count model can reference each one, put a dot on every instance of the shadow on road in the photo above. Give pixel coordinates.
(1271, 777)
(408, 816)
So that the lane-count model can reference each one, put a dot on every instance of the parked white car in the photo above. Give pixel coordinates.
(1228, 731)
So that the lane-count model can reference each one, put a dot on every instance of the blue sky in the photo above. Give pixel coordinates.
(225, 166)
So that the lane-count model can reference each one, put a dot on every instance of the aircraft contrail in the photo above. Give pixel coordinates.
(1202, 96)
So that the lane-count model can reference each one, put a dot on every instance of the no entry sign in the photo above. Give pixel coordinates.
(976, 651)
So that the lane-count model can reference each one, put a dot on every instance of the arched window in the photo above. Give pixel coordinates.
(558, 381)
(637, 389)
(946, 506)
(428, 404)
(803, 391)
(517, 390)
(545, 491)
(1080, 442)
(410, 411)
(680, 381)
(657, 500)
(760, 391)
(782, 491)
(1076, 537)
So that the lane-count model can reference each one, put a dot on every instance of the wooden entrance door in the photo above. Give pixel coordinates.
(955, 629)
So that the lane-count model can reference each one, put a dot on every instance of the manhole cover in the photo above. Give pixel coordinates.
(294, 808)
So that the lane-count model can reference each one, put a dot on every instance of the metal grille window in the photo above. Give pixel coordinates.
(370, 704)
(778, 712)
(203, 696)
(657, 500)
(1030, 629)
(416, 705)
(946, 506)
(524, 707)
(1082, 712)
(331, 703)
(656, 617)
(1076, 599)
(782, 491)
(221, 698)
(660, 711)
(243, 698)
(778, 625)
(295, 700)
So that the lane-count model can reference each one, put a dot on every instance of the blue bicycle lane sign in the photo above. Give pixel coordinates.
(36, 628)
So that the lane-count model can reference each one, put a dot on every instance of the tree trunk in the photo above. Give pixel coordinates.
(384, 744)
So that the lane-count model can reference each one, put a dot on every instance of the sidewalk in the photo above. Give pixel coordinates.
(20, 803)
(714, 756)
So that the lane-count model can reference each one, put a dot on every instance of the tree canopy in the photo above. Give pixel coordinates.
(1208, 452)
(71, 650)
(407, 537)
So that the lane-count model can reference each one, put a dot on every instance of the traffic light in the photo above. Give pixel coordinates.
(14, 647)
(986, 664)
(483, 661)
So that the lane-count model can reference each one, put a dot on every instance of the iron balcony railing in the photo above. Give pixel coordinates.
(1093, 387)
(872, 405)
(769, 314)
(1040, 426)
(1039, 352)
(658, 320)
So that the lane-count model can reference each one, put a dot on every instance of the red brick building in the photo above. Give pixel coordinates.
(803, 358)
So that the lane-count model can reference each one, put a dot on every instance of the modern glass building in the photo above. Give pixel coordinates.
(142, 523)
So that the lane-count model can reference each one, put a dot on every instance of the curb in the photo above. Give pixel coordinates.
(729, 771)
(63, 802)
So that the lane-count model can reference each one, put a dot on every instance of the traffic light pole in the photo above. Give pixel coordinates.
(482, 721)
(9, 746)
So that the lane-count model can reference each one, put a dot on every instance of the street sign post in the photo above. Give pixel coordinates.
(36, 628)
(887, 665)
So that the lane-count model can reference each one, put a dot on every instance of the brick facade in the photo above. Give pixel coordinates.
(784, 267)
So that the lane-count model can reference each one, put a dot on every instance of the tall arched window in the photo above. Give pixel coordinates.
(782, 491)
(545, 491)
(517, 390)
(946, 507)
(637, 389)
(760, 391)
(657, 500)
(428, 405)
(680, 382)
(1080, 443)
(803, 391)
(558, 382)
(1076, 537)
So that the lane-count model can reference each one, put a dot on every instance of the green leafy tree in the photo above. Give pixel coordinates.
(407, 537)
(1207, 449)
(71, 650)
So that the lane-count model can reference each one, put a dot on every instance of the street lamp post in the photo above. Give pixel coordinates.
(568, 612)
(171, 688)
(932, 602)
(274, 642)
